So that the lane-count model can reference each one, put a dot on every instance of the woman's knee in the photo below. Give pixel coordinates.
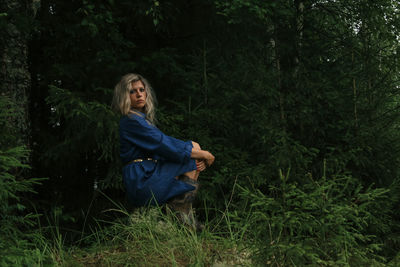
(192, 175)
(196, 145)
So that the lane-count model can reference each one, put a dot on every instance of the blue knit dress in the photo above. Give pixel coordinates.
(150, 182)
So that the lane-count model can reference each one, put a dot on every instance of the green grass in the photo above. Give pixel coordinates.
(313, 224)
(150, 238)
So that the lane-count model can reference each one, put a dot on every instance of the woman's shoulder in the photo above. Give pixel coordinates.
(136, 118)
(133, 116)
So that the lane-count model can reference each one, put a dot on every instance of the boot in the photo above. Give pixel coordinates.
(182, 205)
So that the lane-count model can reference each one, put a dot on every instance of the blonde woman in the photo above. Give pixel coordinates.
(157, 168)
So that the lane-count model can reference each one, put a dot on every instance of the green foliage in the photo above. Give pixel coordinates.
(16, 222)
(147, 237)
(324, 222)
(92, 130)
(263, 85)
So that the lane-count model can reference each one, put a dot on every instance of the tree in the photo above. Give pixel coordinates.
(14, 72)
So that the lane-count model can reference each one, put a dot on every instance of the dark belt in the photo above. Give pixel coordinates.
(141, 160)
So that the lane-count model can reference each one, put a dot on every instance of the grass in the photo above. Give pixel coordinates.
(148, 237)
(153, 237)
(272, 231)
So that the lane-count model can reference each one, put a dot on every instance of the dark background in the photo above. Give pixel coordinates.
(305, 89)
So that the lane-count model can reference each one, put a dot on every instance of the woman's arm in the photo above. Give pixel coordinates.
(136, 130)
(199, 154)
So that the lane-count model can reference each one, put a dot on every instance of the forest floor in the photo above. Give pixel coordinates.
(150, 238)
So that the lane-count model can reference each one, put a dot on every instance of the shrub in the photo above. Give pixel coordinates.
(319, 222)
(16, 247)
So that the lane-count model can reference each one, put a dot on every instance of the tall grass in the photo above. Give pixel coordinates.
(330, 221)
(319, 223)
(152, 236)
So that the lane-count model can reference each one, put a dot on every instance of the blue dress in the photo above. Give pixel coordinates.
(150, 182)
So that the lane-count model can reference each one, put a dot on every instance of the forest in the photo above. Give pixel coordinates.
(299, 101)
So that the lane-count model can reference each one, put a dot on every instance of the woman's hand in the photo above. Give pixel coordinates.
(209, 158)
(207, 161)
(201, 165)
(202, 156)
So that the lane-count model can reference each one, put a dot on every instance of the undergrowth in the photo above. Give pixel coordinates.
(152, 237)
(330, 221)
(324, 222)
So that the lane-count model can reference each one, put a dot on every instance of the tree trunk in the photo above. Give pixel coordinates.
(205, 78)
(299, 27)
(354, 96)
(277, 61)
(14, 73)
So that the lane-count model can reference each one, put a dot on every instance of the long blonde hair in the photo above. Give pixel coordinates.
(122, 102)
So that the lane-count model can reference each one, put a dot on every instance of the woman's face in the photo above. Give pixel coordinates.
(138, 95)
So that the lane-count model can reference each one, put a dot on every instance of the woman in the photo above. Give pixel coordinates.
(157, 168)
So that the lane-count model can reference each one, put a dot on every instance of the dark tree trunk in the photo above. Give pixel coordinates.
(14, 74)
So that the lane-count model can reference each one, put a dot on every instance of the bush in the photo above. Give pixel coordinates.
(16, 247)
(319, 222)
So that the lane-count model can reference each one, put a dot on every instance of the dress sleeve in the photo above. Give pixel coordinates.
(144, 135)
